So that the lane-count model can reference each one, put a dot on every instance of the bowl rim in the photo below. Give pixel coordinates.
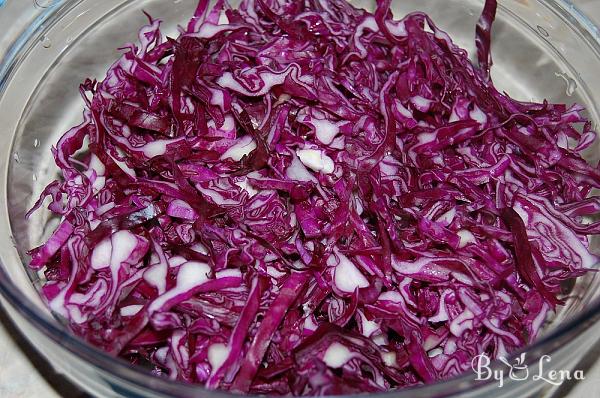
(142, 379)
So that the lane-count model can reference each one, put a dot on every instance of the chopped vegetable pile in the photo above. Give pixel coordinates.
(306, 198)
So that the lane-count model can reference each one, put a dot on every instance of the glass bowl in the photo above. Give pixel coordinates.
(542, 49)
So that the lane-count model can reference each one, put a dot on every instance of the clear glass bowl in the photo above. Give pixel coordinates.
(542, 49)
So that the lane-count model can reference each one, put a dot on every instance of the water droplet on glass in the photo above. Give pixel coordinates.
(69, 40)
(34, 177)
(543, 31)
(46, 43)
(571, 83)
(16, 157)
(571, 87)
(36, 143)
(43, 3)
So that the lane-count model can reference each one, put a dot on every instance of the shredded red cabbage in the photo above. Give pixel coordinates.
(311, 199)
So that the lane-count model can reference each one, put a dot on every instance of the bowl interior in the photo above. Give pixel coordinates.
(540, 52)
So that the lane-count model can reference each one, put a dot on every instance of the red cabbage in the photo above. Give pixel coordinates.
(311, 199)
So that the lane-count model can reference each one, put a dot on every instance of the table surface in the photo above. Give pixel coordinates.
(24, 373)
